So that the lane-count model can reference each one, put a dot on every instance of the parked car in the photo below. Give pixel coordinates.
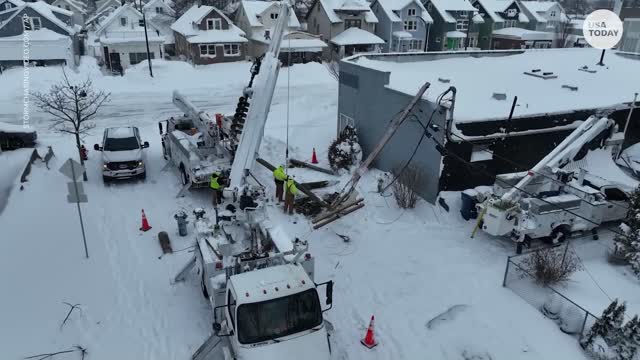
(122, 154)
(16, 136)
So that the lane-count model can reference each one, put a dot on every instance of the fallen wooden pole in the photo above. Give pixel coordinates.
(318, 184)
(299, 163)
(337, 216)
(300, 187)
(339, 209)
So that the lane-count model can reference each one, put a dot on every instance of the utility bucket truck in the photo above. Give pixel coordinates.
(258, 281)
(557, 197)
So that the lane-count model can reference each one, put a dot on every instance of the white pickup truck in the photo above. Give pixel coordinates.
(122, 154)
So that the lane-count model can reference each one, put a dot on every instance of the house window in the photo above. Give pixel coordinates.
(438, 39)
(123, 21)
(512, 13)
(411, 12)
(415, 45)
(267, 35)
(274, 16)
(214, 24)
(208, 50)
(462, 24)
(159, 10)
(552, 13)
(349, 23)
(7, 6)
(410, 25)
(141, 22)
(231, 50)
(32, 23)
(135, 58)
(344, 121)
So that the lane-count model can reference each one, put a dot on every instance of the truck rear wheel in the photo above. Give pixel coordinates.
(183, 175)
(205, 293)
(560, 234)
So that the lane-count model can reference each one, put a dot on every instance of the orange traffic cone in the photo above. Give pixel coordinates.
(145, 222)
(369, 339)
(314, 158)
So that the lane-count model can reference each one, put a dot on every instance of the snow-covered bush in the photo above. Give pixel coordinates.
(605, 339)
(630, 340)
(345, 151)
(404, 187)
(552, 265)
(627, 244)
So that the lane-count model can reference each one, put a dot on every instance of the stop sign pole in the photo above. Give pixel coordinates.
(73, 170)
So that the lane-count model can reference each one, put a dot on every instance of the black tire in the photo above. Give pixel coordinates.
(560, 234)
(106, 179)
(143, 176)
(205, 293)
(183, 175)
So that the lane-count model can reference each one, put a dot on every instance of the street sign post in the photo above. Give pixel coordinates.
(73, 170)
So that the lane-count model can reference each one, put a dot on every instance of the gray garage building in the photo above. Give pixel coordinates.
(556, 89)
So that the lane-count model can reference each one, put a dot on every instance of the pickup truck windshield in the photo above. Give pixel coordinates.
(121, 144)
(280, 317)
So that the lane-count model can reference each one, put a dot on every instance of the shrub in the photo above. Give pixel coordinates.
(404, 187)
(345, 151)
(552, 265)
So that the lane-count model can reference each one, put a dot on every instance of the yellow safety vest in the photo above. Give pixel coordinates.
(214, 182)
(291, 187)
(279, 174)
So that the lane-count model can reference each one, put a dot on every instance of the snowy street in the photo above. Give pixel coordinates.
(435, 292)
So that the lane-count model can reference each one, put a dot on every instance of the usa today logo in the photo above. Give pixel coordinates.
(602, 29)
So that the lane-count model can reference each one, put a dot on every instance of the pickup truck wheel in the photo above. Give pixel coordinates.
(143, 176)
(183, 175)
(106, 179)
(559, 234)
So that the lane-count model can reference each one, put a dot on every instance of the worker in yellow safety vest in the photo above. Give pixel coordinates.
(290, 195)
(216, 188)
(279, 176)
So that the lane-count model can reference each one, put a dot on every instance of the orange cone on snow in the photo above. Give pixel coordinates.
(314, 158)
(369, 339)
(145, 222)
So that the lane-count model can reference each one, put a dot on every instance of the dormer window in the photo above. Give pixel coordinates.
(553, 13)
(159, 10)
(411, 12)
(123, 21)
(31, 23)
(274, 16)
(214, 24)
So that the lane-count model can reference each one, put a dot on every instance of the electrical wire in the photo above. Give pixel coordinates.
(286, 151)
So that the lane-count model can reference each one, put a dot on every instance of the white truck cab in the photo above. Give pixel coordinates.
(122, 154)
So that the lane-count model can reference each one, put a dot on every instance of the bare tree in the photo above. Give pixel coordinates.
(72, 106)
(563, 30)
(404, 188)
(552, 265)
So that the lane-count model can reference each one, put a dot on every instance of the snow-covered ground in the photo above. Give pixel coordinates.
(408, 267)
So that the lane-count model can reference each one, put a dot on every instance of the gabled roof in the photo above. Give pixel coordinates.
(106, 3)
(330, 7)
(494, 7)
(391, 6)
(355, 36)
(102, 25)
(254, 10)
(185, 26)
(47, 11)
(152, 4)
(77, 5)
(17, 3)
(444, 6)
(539, 8)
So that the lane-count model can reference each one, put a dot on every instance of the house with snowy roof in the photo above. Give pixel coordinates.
(77, 7)
(204, 35)
(502, 100)
(402, 24)
(47, 32)
(543, 15)
(258, 20)
(348, 26)
(454, 25)
(498, 15)
(117, 38)
(161, 15)
(630, 15)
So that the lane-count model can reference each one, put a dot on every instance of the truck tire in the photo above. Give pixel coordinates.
(205, 293)
(106, 179)
(560, 234)
(143, 176)
(183, 175)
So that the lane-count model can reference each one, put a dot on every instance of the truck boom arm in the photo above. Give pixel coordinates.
(201, 119)
(262, 94)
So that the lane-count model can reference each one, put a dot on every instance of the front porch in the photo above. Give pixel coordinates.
(353, 41)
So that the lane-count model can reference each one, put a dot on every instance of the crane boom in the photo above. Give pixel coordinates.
(260, 96)
(202, 121)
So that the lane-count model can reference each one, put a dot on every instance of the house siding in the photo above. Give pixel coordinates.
(220, 56)
(14, 27)
(385, 28)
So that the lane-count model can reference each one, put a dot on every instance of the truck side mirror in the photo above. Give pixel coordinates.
(330, 292)
(96, 147)
(145, 144)
(160, 127)
(216, 328)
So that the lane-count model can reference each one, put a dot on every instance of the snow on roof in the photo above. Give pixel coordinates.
(13, 128)
(43, 34)
(494, 7)
(132, 39)
(539, 8)
(444, 6)
(456, 34)
(255, 9)
(355, 36)
(523, 34)
(15, 2)
(402, 34)
(391, 6)
(331, 6)
(102, 25)
(185, 26)
(120, 132)
(303, 44)
(479, 75)
(106, 4)
(79, 6)
(255, 283)
(46, 11)
(152, 4)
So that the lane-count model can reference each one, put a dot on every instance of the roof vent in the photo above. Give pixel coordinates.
(499, 96)
(587, 69)
(541, 74)
(572, 88)
(443, 80)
